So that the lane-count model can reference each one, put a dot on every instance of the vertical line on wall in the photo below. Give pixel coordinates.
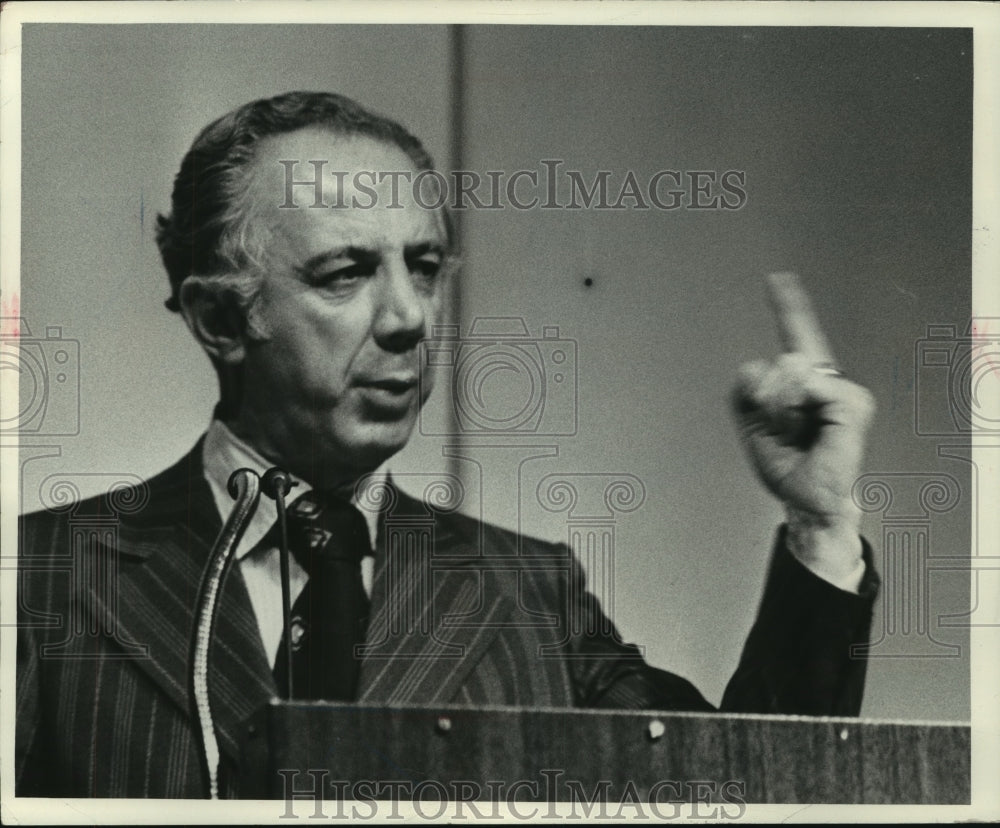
(456, 90)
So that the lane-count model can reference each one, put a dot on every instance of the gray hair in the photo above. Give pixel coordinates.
(208, 231)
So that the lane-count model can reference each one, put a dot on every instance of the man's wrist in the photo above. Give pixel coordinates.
(831, 550)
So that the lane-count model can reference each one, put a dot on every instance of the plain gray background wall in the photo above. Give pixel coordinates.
(856, 145)
(857, 150)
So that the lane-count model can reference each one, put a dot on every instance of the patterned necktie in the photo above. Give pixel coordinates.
(329, 618)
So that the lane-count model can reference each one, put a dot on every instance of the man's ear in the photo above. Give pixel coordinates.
(213, 313)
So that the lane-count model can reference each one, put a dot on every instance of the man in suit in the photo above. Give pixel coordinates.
(311, 302)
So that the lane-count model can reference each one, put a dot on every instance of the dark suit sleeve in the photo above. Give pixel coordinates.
(797, 658)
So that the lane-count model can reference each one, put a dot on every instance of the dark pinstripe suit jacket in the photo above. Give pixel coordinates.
(479, 616)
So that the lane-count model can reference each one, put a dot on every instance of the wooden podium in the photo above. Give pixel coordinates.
(559, 755)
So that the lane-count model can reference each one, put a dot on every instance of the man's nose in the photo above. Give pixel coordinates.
(401, 316)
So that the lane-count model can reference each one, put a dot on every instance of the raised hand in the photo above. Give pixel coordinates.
(804, 426)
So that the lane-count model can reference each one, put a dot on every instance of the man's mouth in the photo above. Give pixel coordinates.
(392, 395)
(401, 384)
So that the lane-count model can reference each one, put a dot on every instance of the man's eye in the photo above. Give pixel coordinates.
(427, 268)
(344, 275)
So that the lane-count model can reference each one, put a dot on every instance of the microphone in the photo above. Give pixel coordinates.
(244, 486)
(277, 483)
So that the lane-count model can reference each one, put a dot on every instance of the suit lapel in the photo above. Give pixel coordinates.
(433, 614)
(162, 554)
(435, 609)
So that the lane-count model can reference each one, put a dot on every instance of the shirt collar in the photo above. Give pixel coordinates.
(223, 452)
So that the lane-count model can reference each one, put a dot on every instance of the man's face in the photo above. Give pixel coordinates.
(347, 295)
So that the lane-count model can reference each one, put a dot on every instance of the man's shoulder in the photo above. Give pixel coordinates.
(497, 538)
(477, 535)
(134, 501)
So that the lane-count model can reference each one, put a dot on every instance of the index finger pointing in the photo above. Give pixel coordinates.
(798, 325)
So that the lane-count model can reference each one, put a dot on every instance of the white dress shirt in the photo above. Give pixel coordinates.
(223, 452)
